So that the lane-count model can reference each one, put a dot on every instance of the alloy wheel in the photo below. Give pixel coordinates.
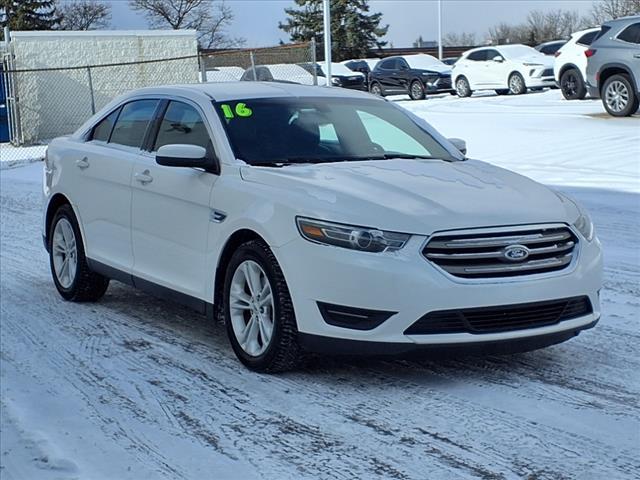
(569, 85)
(65, 253)
(251, 308)
(462, 87)
(617, 96)
(416, 91)
(515, 84)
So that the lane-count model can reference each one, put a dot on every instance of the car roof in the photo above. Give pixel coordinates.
(231, 91)
(623, 21)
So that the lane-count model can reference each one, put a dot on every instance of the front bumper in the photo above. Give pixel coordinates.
(537, 82)
(406, 283)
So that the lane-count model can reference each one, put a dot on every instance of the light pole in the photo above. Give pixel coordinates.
(440, 29)
(327, 41)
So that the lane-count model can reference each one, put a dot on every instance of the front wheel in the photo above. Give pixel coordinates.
(463, 89)
(72, 276)
(619, 97)
(572, 85)
(516, 84)
(376, 89)
(259, 314)
(416, 90)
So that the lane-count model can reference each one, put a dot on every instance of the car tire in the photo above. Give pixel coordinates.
(572, 85)
(376, 89)
(267, 319)
(516, 84)
(416, 90)
(73, 278)
(503, 91)
(619, 96)
(463, 89)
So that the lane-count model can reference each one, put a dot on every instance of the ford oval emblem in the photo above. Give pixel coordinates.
(516, 253)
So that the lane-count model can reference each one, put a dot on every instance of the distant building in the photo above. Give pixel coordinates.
(420, 43)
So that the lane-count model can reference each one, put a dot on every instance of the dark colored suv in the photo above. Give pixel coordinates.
(613, 66)
(414, 75)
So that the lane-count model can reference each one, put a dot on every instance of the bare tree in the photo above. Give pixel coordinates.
(208, 17)
(604, 10)
(459, 39)
(84, 15)
(539, 27)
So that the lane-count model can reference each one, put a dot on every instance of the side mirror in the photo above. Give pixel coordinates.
(459, 144)
(498, 59)
(183, 155)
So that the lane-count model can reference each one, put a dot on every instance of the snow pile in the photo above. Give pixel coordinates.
(11, 156)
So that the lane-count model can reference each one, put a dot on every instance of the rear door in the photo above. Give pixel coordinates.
(473, 68)
(170, 206)
(387, 75)
(403, 74)
(101, 184)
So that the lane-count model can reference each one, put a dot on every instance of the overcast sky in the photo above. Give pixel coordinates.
(257, 20)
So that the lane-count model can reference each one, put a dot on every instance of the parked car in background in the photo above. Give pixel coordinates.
(450, 60)
(550, 48)
(570, 64)
(224, 74)
(360, 66)
(504, 68)
(613, 66)
(281, 72)
(341, 76)
(314, 219)
(415, 75)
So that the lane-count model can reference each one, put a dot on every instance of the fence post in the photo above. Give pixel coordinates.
(312, 46)
(93, 100)
(203, 69)
(253, 66)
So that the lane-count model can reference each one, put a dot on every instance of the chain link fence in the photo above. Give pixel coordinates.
(45, 103)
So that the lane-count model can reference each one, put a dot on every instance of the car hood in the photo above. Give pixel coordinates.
(414, 196)
(443, 69)
(541, 59)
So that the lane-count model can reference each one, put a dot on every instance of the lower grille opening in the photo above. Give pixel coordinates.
(351, 317)
(502, 318)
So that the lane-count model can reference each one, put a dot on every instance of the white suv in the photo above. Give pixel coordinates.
(503, 68)
(314, 219)
(570, 66)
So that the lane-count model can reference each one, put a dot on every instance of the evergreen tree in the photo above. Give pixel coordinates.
(29, 14)
(354, 31)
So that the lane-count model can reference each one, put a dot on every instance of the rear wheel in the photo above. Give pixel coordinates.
(259, 315)
(376, 89)
(516, 84)
(71, 274)
(572, 85)
(416, 90)
(619, 97)
(463, 89)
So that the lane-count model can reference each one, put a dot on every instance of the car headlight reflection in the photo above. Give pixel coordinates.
(584, 225)
(352, 237)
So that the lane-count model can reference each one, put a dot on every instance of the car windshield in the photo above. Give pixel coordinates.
(277, 131)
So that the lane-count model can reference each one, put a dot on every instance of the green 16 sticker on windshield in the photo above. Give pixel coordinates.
(240, 110)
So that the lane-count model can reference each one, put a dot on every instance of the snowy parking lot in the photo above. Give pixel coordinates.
(134, 387)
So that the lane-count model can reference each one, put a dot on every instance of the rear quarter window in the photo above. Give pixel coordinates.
(631, 34)
(587, 38)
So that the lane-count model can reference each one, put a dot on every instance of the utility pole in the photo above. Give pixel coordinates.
(440, 29)
(327, 41)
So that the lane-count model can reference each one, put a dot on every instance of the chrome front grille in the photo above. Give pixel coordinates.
(502, 254)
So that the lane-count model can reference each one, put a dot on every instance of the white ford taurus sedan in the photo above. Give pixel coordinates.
(315, 219)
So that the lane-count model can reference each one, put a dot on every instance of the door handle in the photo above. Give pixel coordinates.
(143, 177)
(637, 55)
(82, 164)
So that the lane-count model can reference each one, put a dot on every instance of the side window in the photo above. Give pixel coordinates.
(478, 56)
(388, 64)
(390, 137)
(630, 34)
(603, 30)
(182, 124)
(102, 131)
(402, 64)
(132, 123)
(491, 54)
(587, 38)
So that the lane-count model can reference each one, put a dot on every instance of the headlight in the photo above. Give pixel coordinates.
(585, 226)
(352, 237)
(336, 81)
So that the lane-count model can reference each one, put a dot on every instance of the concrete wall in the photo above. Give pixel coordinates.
(53, 103)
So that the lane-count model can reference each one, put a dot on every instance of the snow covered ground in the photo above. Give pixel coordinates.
(11, 156)
(133, 387)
